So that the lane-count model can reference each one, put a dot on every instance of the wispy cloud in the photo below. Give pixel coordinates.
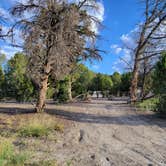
(98, 13)
(9, 51)
(125, 50)
(116, 49)
(96, 67)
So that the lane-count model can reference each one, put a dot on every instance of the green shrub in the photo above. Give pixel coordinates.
(8, 157)
(34, 130)
(159, 84)
(161, 106)
(149, 104)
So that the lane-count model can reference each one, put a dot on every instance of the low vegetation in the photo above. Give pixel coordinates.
(149, 104)
(159, 84)
(38, 126)
(8, 156)
(45, 163)
(21, 135)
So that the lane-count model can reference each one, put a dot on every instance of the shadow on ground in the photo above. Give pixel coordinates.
(128, 119)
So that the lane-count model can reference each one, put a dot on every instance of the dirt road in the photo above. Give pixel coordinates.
(109, 133)
(103, 133)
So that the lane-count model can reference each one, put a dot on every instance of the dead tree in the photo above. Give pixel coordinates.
(151, 39)
(56, 35)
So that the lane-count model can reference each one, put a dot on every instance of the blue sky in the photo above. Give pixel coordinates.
(119, 17)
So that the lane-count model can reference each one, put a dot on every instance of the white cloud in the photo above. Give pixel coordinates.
(115, 68)
(9, 51)
(4, 13)
(98, 12)
(125, 50)
(116, 49)
(96, 67)
(128, 40)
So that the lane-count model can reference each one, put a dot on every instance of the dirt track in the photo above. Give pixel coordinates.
(105, 133)
(111, 133)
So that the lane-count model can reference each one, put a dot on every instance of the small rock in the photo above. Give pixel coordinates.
(107, 159)
(82, 133)
(92, 156)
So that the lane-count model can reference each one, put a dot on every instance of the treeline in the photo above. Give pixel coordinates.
(15, 83)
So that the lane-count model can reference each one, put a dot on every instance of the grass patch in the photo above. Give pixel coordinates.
(149, 104)
(34, 130)
(8, 156)
(45, 163)
(39, 126)
(58, 127)
(5, 133)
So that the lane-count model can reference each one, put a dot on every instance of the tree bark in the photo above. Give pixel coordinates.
(144, 79)
(134, 82)
(69, 89)
(42, 95)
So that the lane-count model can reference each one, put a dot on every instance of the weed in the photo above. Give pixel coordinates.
(38, 126)
(8, 157)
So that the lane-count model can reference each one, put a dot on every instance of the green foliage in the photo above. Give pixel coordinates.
(50, 92)
(36, 130)
(8, 157)
(2, 58)
(161, 106)
(125, 82)
(63, 94)
(159, 83)
(1, 82)
(102, 82)
(116, 78)
(17, 84)
(149, 104)
(159, 77)
(83, 79)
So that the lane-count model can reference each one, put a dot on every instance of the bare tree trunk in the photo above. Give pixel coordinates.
(42, 95)
(134, 82)
(69, 89)
(144, 78)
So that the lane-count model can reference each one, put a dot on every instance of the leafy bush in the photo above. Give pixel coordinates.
(161, 106)
(149, 104)
(159, 84)
(8, 157)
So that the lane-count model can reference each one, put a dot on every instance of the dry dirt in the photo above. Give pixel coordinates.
(104, 133)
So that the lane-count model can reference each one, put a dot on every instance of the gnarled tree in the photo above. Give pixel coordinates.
(151, 40)
(56, 35)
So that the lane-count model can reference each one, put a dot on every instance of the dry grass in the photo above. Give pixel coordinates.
(20, 132)
(39, 125)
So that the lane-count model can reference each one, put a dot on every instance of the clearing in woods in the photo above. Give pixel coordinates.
(100, 133)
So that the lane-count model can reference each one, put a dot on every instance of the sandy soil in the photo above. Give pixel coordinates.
(105, 133)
